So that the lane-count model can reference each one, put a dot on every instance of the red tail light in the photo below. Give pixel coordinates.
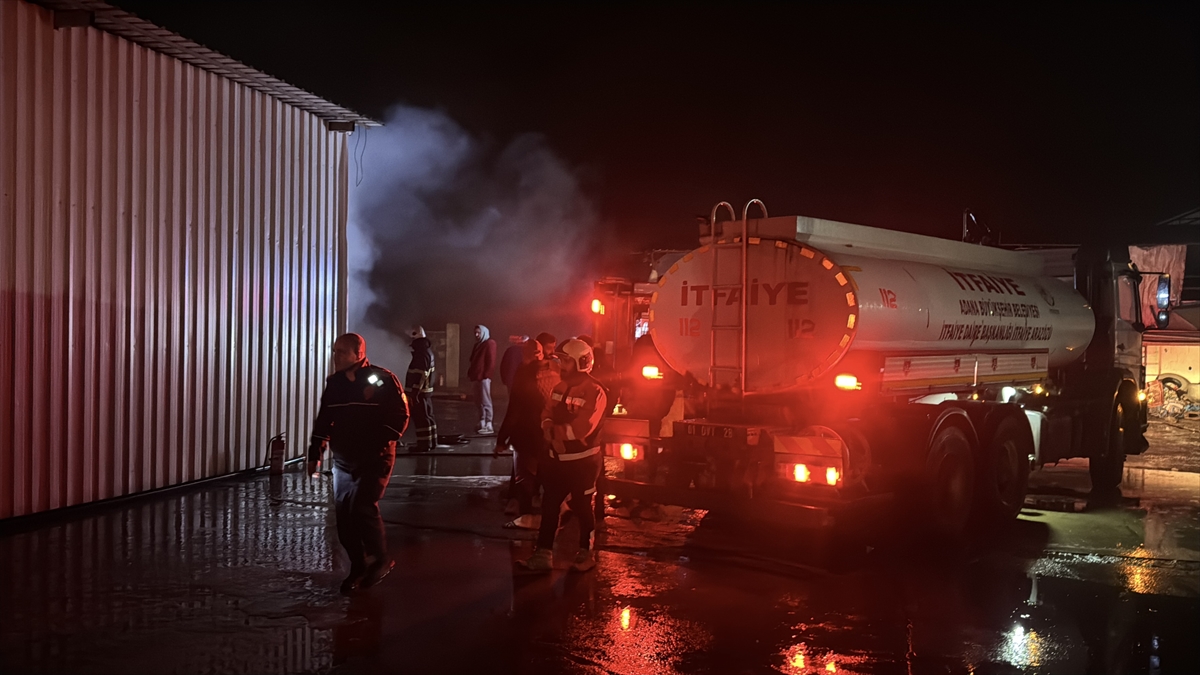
(801, 473)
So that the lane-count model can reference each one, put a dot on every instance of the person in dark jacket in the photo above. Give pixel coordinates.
(571, 422)
(522, 429)
(419, 384)
(512, 359)
(548, 342)
(483, 362)
(548, 368)
(363, 413)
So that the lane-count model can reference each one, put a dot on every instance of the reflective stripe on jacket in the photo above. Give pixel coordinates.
(572, 418)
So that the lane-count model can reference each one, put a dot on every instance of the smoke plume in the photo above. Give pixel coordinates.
(447, 228)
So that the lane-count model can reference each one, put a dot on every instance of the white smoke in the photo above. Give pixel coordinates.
(445, 228)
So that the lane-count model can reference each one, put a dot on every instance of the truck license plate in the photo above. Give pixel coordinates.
(710, 431)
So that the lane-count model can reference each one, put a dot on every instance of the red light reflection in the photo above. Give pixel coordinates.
(638, 641)
(633, 636)
(802, 660)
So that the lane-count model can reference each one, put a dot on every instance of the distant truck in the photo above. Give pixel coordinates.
(824, 365)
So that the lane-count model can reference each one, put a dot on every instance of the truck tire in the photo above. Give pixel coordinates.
(1004, 478)
(1107, 469)
(1180, 382)
(950, 475)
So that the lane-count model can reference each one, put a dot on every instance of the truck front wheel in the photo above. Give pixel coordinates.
(951, 477)
(1108, 468)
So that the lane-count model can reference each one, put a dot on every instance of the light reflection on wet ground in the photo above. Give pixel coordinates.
(240, 577)
(1174, 446)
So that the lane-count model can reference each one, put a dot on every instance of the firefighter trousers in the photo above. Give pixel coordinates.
(575, 479)
(423, 421)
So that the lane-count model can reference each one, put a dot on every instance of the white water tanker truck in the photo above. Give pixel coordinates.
(824, 365)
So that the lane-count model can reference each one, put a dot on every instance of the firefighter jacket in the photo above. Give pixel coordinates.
(572, 417)
(419, 379)
(358, 418)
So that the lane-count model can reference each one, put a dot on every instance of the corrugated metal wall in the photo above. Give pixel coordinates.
(170, 267)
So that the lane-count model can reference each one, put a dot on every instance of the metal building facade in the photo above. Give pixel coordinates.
(171, 265)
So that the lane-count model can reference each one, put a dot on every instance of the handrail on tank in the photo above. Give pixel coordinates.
(746, 209)
(746, 287)
(712, 219)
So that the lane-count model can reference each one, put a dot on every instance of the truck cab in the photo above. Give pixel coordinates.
(1100, 412)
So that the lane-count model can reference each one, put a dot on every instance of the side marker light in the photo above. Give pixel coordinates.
(847, 382)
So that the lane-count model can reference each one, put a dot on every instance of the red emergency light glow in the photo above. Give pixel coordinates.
(831, 475)
(651, 373)
(801, 473)
(847, 382)
(629, 451)
(597, 306)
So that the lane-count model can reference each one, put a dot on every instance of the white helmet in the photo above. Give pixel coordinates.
(417, 332)
(579, 353)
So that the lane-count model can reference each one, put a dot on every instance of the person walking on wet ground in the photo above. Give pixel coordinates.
(479, 372)
(419, 383)
(522, 430)
(363, 413)
(571, 424)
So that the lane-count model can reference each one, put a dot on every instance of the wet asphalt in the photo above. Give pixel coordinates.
(240, 576)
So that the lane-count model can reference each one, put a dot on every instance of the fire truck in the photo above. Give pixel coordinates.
(826, 366)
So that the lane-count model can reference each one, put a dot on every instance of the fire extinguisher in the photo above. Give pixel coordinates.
(278, 452)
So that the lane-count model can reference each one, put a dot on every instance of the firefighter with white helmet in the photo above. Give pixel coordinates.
(571, 424)
(419, 383)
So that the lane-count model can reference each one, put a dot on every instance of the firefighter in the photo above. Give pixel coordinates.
(603, 377)
(419, 383)
(571, 425)
(363, 413)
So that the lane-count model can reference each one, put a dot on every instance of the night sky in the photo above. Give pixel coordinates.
(1049, 125)
(531, 150)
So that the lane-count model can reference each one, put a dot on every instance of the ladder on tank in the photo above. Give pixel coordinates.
(727, 339)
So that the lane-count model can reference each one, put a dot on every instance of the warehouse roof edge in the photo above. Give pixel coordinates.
(103, 16)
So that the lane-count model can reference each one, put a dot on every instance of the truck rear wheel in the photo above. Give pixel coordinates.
(1005, 476)
(1108, 468)
(951, 482)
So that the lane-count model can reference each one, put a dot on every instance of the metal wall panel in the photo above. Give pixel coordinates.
(171, 247)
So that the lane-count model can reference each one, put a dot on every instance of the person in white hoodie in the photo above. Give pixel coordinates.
(483, 362)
